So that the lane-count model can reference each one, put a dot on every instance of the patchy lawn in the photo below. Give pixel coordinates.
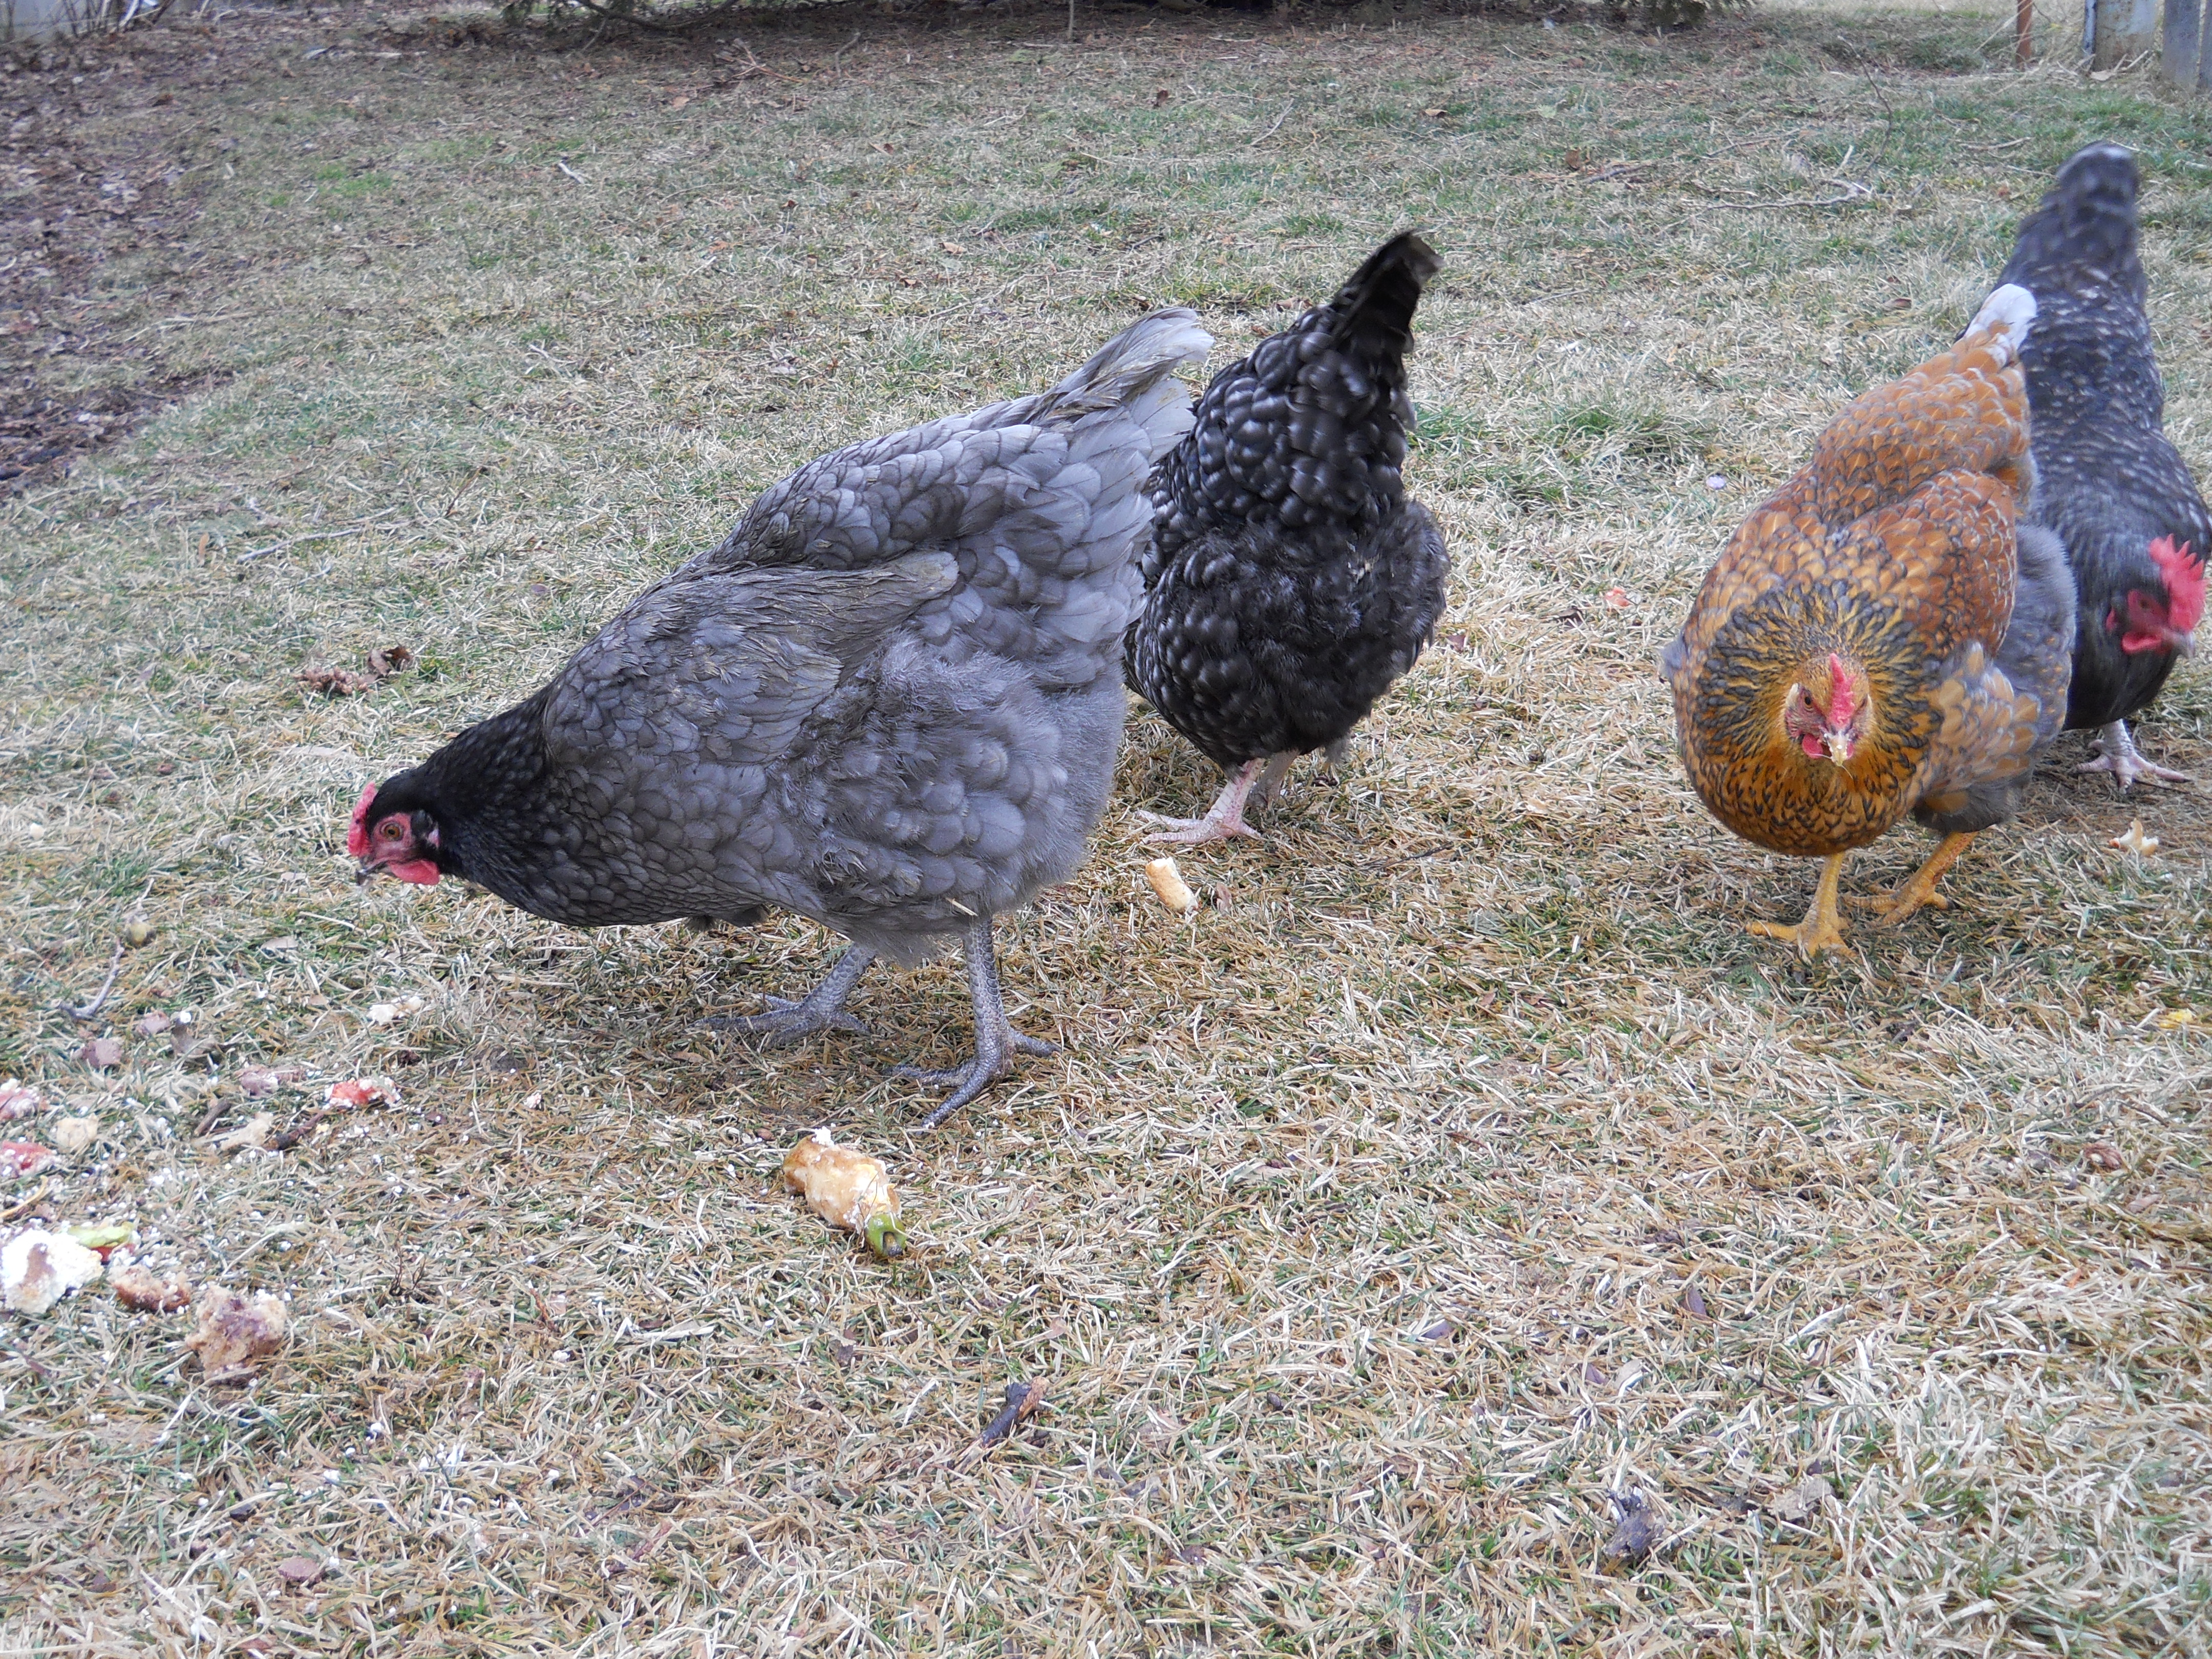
(1464, 1165)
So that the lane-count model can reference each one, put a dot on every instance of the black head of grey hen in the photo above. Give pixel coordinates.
(1290, 581)
(889, 700)
(2116, 492)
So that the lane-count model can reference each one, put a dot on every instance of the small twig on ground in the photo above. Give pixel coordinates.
(368, 523)
(25, 1206)
(44, 1373)
(214, 1117)
(299, 1131)
(842, 51)
(91, 1010)
(570, 171)
(1022, 1400)
(1272, 130)
(1852, 192)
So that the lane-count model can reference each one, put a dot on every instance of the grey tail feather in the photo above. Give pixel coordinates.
(1375, 309)
(2087, 221)
(1139, 356)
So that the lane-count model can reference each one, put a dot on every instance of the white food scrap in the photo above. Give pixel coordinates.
(846, 1189)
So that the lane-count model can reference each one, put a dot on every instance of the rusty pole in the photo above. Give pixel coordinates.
(2023, 33)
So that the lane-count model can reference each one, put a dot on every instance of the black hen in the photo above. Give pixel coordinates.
(888, 701)
(2110, 484)
(1290, 581)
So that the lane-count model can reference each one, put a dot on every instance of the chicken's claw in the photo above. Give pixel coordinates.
(822, 1009)
(1822, 928)
(785, 1023)
(2117, 753)
(1223, 820)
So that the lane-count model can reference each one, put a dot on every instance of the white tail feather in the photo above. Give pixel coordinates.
(2006, 316)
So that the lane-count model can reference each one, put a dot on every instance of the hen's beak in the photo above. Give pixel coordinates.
(1838, 745)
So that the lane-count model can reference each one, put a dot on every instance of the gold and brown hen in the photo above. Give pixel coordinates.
(1883, 636)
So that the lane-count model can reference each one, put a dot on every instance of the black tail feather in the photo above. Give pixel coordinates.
(2085, 224)
(1375, 309)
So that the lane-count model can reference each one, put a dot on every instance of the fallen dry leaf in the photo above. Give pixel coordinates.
(137, 1288)
(18, 1100)
(335, 682)
(391, 659)
(153, 1025)
(301, 1570)
(20, 1159)
(73, 1134)
(1801, 1501)
(39, 1268)
(250, 1136)
(235, 1334)
(2174, 1018)
(1637, 1529)
(102, 1053)
(1616, 598)
(2103, 1155)
(256, 1081)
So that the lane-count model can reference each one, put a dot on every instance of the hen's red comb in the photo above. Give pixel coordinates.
(1843, 695)
(2184, 584)
(357, 836)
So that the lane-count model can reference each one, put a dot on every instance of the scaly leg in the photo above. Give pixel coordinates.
(819, 1011)
(1822, 928)
(996, 1042)
(1279, 768)
(1919, 888)
(2117, 753)
(1224, 819)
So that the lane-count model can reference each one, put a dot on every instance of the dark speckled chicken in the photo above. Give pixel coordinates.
(1883, 636)
(889, 700)
(1290, 581)
(2116, 492)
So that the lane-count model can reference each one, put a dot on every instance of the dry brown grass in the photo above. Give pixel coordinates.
(1469, 1164)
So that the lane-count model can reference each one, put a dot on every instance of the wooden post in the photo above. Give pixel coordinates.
(2182, 43)
(2023, 33)
(2126, 29)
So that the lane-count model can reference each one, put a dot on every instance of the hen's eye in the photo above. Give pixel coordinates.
(390, 830)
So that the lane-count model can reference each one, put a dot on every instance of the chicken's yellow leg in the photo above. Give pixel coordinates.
(1822, 928)
(1909, 896)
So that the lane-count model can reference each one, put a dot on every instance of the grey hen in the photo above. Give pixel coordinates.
(889, 700)
(1290, 580)
(2115, 490)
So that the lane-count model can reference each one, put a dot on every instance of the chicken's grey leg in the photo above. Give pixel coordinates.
(996, 1042)
(2117, 753)
(819, 1011)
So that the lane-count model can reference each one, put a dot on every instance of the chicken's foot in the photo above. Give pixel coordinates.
(820, 1010)
(996, 1042)
(1919, 888)
(1223, 820)
(1270, 780)
(2117, 753)
(1822, 928)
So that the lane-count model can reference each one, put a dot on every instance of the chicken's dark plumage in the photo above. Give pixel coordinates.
(1290, 581)
(889, 700)
(2115, 491)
